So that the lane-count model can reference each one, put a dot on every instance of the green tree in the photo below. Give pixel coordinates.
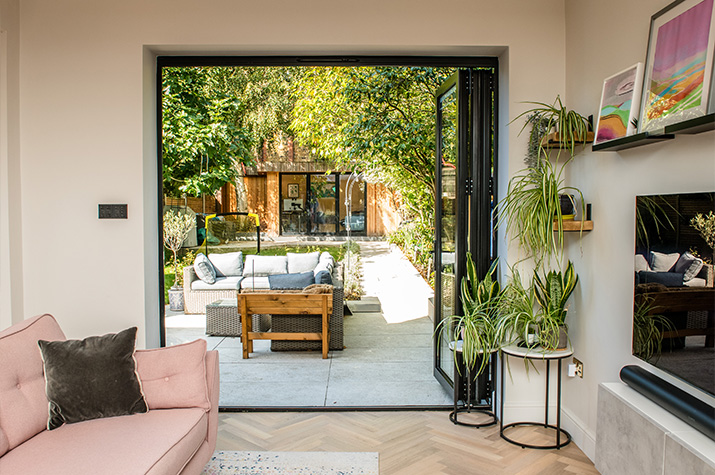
(202, 143)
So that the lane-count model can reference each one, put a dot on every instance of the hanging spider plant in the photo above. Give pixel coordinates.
(531, 209)
(571, 126)
(477, 328)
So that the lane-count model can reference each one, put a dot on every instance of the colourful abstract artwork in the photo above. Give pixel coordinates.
(679, 66)
(620, 103)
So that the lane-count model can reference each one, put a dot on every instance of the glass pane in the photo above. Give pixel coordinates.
(448, 164)
(352, 204)
(294, 216)
(322, 204)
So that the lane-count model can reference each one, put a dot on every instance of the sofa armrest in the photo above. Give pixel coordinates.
(189, 277)
(212, 381)
(707, 273)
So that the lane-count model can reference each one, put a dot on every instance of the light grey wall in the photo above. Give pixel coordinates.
(603, 38)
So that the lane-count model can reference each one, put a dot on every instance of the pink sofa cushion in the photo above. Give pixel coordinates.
(156, 442)
(174, 376)
(24, 408)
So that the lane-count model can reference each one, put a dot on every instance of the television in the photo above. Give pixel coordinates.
(674, 295)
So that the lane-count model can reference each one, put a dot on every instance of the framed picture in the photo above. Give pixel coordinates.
(293, 190)
(620, 104)
(679, 64)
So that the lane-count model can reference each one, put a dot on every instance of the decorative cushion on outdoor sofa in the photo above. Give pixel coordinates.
(660, 262)
(302, 262)
(641, 263)
(688, 265)
(323, 277)
(228, 264)
(204, 269)
(265, 265)
(291, 281)
(221, 283)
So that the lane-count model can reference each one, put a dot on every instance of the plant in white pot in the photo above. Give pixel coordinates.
(477, 328)
(176, 229)
(552, 291)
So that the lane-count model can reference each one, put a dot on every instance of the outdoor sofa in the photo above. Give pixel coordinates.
(262, 273)
(177, 435)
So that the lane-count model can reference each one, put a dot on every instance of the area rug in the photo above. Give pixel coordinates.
(292, 463)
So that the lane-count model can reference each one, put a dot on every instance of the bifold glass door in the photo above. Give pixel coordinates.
(464, 198)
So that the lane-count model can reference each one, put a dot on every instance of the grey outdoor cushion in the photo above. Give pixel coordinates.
(221, 283)
(259, 283)
(204, 269)
(688, 265)
(302, 261)
(265, 265)
(228, 264)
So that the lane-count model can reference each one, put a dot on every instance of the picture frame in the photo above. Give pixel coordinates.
(620, 105)
(679, 65)
(293, 190)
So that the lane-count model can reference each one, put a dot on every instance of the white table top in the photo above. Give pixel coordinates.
(459, 347)
(537, 353)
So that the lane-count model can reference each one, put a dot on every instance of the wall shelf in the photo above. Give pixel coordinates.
(553, 141)
(688, 127)
(577, 226)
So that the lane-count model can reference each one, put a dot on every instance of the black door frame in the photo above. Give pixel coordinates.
(476, 191)
(471, 62)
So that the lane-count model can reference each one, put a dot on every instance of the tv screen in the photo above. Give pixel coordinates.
(674, 296)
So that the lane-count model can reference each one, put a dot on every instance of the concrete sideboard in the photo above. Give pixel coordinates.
(634, 435)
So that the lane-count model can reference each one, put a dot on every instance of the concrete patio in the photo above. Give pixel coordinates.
(387, 360)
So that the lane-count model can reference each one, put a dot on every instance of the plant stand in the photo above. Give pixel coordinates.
(468, 406)
(547, 356)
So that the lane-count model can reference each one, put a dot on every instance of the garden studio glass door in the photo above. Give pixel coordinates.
(464, 198)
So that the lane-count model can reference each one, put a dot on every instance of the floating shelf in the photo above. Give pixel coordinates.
(688, 127)
(553, 140)
(571, 225)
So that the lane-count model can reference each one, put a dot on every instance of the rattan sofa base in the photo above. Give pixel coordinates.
(223, 319)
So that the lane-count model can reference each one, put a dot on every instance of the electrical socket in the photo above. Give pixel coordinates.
(579, 368)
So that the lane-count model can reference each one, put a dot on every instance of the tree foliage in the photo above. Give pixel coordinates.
(202, 143)
(379, 120)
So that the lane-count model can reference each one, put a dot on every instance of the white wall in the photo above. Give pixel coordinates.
(88, 128)
(11, 272)
(600, 316)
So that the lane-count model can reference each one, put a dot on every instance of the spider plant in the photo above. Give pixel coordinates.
(552, 291)
(477, 328)
(531, 209)
(648, 328)
(519, 313)
(572, 127)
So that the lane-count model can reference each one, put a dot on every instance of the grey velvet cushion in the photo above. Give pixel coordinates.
(302, 261)
(228, 264)
(323, 277)
(204, 269)
(265, 265)
(91, 378)
(660, 262)
(689, 266)
(291, 281)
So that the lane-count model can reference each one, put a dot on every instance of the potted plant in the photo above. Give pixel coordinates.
(477, 328)
(648, 328)
(571, 128)
(552, 291)
(519, 313)
(531, 209)
(176, 229)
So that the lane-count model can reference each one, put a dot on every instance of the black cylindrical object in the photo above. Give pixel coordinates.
(692, 410)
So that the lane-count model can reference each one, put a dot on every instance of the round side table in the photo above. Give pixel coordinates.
(547, 356)
(468, 406)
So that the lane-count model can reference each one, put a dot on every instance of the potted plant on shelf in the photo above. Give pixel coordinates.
(571, 128)
(477, 328)
(176, 229)
(531, 209)
(552, 291)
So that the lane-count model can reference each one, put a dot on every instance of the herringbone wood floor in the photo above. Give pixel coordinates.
(409, 443)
